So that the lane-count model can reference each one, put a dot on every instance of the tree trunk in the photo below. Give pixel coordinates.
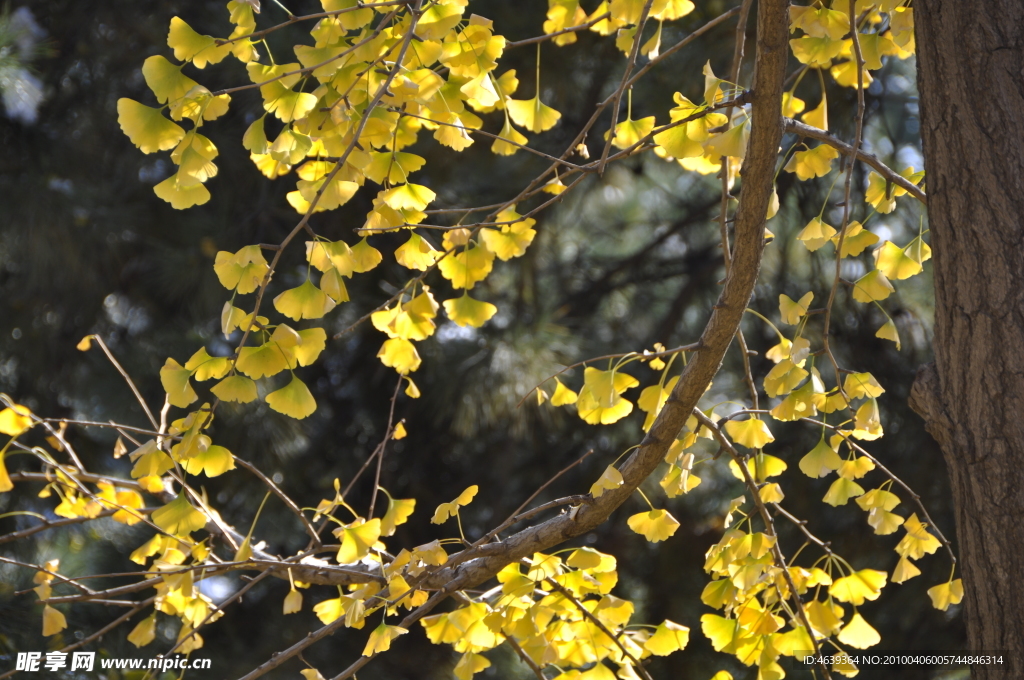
(971, 81)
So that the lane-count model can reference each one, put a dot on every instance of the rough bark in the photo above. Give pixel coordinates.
(971, 80)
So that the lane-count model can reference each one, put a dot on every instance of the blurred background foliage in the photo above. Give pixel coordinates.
(628, 259)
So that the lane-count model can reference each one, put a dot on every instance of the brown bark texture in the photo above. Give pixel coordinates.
(971, 82)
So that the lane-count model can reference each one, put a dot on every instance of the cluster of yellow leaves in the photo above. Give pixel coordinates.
(824, 43)
(697, 139)
(177, 593)
(747, 585)
(554, 628)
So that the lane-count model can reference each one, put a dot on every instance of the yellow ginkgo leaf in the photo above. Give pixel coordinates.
(510, 240)
(5, 478)
(399, 510)
(382, 635)
(816, 162)
(655, 525)
(258, 362)
(752, 433)
(820, 22)
(722, 632)
(889, 332)
(179, 517)
(858, 633)
(292, 602)
(732, 142)
(792, 105)
(678, 481)
(904, 571)
(205, 367)
(399, 354)
(304, 302)
(859, 586)
(845, 74)
(467, 267)
(872, 286)
(818, 116)
(857, 239)
(294, 399)
(771, 493)
(327, 255)
(611, 478)
(214, 461)
(857, 385)
(17, 419)
(883, 521)
(678, 142)
(329, 611)
(191, 46)
(242, 271)
(629, 132)
(144, 632)
(175, 380)
(826, 618)
(668, 637)
(150, 461)
(946, 594)
(356, 539)
(584, 558)
(783, 378)
(146, 127)
(856, 468)
(791, 311)
(448, 510)
(509, 140)
(182, 192)
(286, 104)
(563, 396)
(841, 491)
(880, 194)
(469, 665)
(399, 432)
(816, 234)
(165, 79)
(895, 262)
(408, 196)
(465, 311)
(918, 542)
(760, 467)
(820, 460)
(312, 343)
(416, 253)
(600, 400)
(816, 52)
(53, 621)
(532, 114)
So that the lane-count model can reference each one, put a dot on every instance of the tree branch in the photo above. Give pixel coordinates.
(842, 147)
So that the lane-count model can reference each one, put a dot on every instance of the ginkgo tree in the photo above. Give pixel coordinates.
(372, 83)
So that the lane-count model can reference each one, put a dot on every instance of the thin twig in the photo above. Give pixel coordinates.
(280, 494)
(587, 614)
(548, 36)
(525, 657)
(127, 378)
